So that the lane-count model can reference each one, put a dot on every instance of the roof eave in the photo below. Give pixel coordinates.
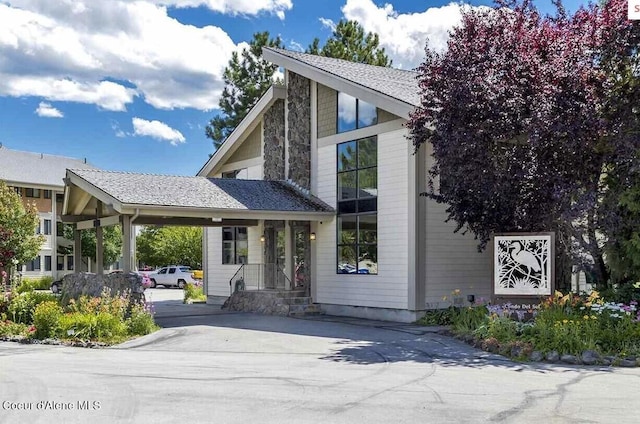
(381, 100)
(247, 125)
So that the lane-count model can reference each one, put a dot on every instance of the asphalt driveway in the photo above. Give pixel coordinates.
(213, 367)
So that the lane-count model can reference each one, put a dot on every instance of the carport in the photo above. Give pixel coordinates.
(97, 198)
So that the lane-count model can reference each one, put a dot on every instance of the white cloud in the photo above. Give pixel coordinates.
(115, 126)
(45, 110)
(107, 52)
(404, 35)
(327, 23)
(158, 130)
(235, 7)
(295, 46)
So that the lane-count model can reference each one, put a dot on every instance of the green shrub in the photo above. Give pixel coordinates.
(21, 307)
(34, 283)
(466, 320)
(46, 319)
(140, 321)
(437, 317)
(10, 328)
(193, 292)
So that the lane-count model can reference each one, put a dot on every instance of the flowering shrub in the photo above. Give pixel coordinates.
(106, 318)
(46, 319)
(194, 292)
(565, 323)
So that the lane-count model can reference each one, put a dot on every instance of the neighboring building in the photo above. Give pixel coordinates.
(38, 178)
(337, 130)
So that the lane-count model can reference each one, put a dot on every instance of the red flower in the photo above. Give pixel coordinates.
(32, 329)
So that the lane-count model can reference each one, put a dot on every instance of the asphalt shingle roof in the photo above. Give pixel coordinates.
(36, 168)
(397, 83)
(201, 192)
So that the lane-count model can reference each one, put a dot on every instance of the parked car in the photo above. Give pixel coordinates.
(172, 275)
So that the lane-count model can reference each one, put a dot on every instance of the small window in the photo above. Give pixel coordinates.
(34, 265)
(235, 245)
(33, 192)
(59, 197)
(39, 228)
(172, 270)
(47, 263)
(70, 262)
(47, 227)
(60, 263)
(47, 194)
(231, 174)
(162, 271)
(354, 113)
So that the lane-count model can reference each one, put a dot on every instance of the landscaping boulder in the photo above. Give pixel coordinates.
(590, 357)
(553, 356)
(570, 359)
(627, 363)
(89, 284)
(536, 356)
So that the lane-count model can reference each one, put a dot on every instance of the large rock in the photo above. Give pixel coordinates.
(590, 357)
(89, 284)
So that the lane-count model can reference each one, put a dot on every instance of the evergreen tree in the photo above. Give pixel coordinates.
(349, 42)
(246, 78)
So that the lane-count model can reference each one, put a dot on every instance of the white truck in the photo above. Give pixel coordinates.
(172, 275)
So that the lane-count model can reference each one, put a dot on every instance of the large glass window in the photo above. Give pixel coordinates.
(357, 232)
(60, 263)
(354, 113)
(235, 245)
(47, 263)
(47, 227)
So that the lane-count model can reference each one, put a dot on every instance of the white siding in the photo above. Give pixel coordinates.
(452, 259)
(389, 288)
(254, 172)
(218, 275)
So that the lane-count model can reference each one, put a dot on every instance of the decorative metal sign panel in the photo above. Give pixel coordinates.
(523, 264)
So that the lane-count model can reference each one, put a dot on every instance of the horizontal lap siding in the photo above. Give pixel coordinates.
(388, 289)
(452, 259)
(218, 275)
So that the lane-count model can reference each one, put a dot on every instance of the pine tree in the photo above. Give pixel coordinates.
(349, 42)
(246, 78)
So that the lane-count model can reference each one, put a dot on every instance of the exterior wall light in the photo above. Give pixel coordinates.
(312, 236)
(262, 238)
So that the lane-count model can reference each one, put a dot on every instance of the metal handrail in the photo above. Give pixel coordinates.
(259, 277)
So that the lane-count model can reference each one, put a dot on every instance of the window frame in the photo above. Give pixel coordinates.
(370, 208)
(236, 258)
(357, 117)
(47, 194)
(31, 192)
(35, 264)
(47, 227)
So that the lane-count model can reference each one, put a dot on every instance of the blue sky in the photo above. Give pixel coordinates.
(131, 85)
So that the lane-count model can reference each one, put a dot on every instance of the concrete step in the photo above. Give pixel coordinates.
(303, 310)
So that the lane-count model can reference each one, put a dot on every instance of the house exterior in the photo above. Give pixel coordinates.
(336, 131)
(38, 178)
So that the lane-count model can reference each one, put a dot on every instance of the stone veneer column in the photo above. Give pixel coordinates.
(299, 129)
(273, 130)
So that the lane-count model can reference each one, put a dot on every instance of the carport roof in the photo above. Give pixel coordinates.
(199, 192)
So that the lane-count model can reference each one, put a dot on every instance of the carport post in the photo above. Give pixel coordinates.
(77, 251)
(288, 254)
(126, 243)
(99, 241)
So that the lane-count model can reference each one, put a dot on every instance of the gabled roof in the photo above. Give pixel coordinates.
(245, 127)
(396, 86)
(125, 190)
(36, 169)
